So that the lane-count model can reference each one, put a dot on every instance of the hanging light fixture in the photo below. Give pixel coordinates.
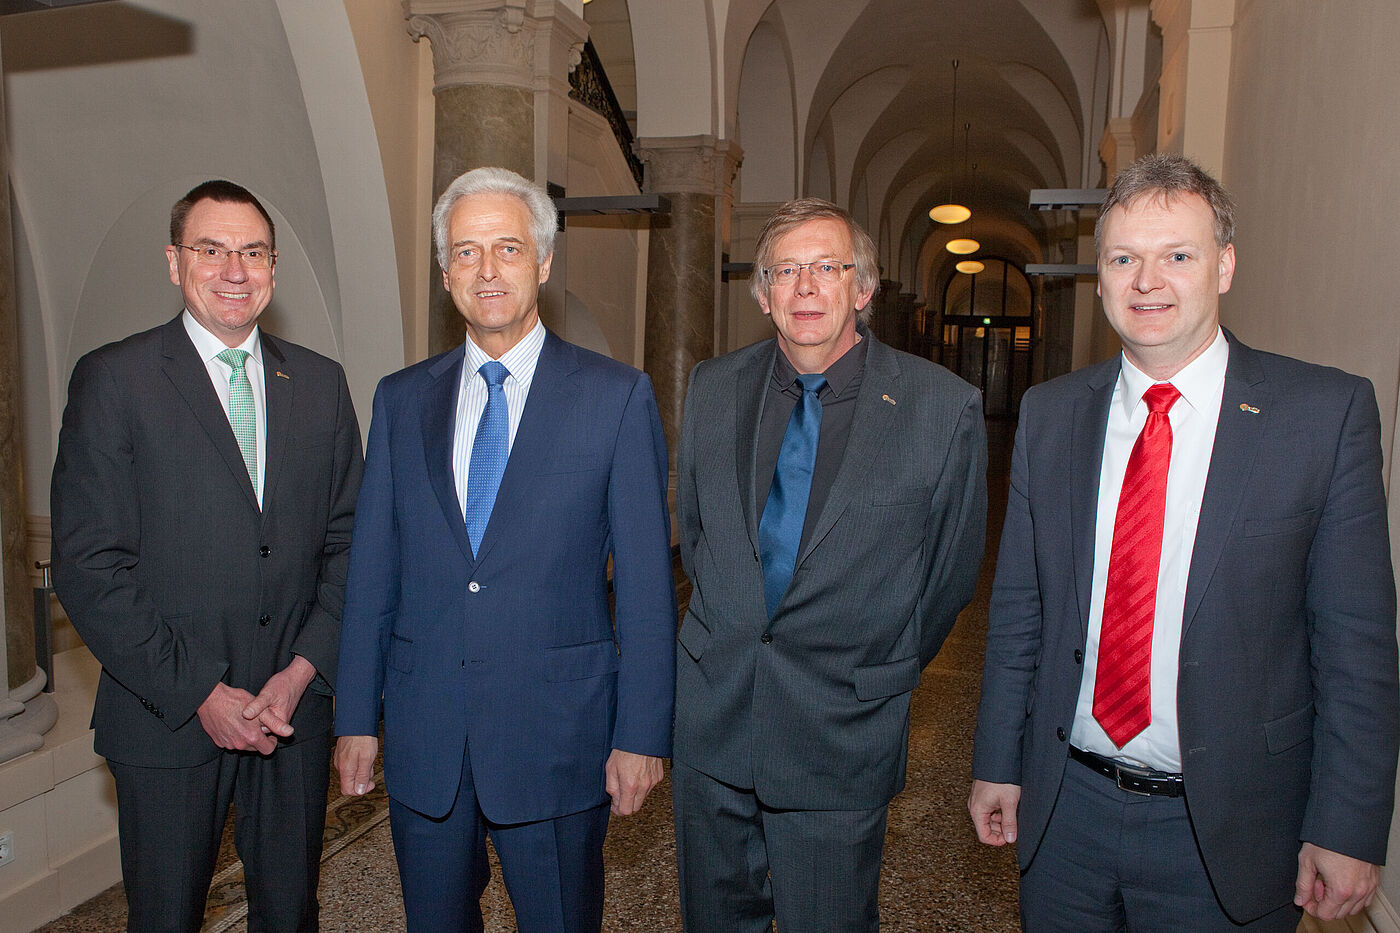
(951, 212)
(970, 266)
(963, 246)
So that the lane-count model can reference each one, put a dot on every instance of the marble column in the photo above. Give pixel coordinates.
(500, 88)
(683, 263)
(25, 713)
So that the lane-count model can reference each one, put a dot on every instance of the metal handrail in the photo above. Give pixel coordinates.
(43, 624)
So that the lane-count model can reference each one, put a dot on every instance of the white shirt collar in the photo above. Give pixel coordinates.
(209, 347)
(517, 359)
(1199, 381)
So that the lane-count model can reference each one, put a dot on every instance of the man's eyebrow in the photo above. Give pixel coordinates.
(1174, 246)
(499, 239)
(210, 241)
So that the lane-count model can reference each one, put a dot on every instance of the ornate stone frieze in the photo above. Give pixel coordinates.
(686, 164)
(478, 47)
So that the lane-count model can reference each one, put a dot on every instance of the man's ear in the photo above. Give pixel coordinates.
(172, 256)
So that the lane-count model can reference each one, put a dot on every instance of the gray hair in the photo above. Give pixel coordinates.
(793, 214)
(1167, 176)
(544, 219)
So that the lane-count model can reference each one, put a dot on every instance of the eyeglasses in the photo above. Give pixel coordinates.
(254, 258)
(822, 271)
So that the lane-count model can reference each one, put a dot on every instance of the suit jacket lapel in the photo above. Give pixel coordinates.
(750, 389)
(278, 391)
(1087, 428)
(553, 394)
(1231, 464)
(438, 405)
(872, 418)
(186, 371)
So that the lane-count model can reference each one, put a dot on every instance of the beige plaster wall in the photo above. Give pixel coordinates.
(604, 264)
(398, 75)
(1310, 151)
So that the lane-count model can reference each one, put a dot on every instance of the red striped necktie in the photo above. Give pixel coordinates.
(1123, 685)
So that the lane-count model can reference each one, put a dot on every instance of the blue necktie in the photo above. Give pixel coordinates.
(490, 450)
(780, 529)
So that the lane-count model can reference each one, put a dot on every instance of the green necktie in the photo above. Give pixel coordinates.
(240, 411)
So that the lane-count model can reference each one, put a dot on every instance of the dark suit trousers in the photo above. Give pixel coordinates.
(1115, 861)
(742, 864)
(553, 869)
(170, 821)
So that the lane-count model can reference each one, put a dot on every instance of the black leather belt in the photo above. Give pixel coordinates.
(1133, 780)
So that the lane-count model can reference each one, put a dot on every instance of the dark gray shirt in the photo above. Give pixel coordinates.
(838, 398)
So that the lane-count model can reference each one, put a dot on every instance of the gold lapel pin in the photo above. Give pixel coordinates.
(1249, 408)
(888, 399)
(283, 375)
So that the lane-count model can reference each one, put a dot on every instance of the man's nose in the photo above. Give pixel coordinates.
(234, 269)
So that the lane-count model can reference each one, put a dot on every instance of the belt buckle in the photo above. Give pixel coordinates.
(1119, 772)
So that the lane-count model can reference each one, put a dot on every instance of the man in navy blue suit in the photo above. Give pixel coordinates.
(501, 477)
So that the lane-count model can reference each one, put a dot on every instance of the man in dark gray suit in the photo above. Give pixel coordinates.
(831, 499)
(203, 498)
(1189, 707)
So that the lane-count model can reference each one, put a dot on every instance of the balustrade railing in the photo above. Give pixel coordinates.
(589, 86)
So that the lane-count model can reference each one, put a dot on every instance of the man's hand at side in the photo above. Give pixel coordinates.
(630, 778)
(1332, 885)
(354, 762)
(993, 809)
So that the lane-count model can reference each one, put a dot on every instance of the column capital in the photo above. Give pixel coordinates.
(501, 42)
(700, 164)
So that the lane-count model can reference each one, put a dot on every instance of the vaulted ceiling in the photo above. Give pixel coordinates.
(854, 101)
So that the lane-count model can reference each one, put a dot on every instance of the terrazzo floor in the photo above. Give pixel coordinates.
(935, 877)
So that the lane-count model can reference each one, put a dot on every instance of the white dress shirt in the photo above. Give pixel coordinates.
(209, 347)
(519, 361)
(1193, 420)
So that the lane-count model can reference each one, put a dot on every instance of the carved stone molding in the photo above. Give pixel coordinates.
(516, 43)
(482, 47)
(689, 164)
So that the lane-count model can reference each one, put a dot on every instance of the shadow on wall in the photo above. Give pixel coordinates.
(130, 262)
(107, 33)
(580, 326)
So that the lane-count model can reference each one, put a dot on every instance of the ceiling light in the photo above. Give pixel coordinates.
(963, 246)
(971, 266)
(951, 212)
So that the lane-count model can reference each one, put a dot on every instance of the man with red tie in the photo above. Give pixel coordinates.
(1189, 708)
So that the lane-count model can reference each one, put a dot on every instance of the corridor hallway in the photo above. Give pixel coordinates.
(936, 878)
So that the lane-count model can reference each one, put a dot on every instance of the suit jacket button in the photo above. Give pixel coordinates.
(264, 550)
(1060, 734)
(766, 638)
(264, 620)
(474, 587)
(1078, 656)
